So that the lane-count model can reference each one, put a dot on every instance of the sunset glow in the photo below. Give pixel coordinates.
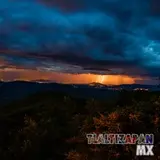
(24, 74)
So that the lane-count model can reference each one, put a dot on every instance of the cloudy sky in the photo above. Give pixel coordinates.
(80, 41)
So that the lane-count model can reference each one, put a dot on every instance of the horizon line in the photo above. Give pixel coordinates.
(50, 81)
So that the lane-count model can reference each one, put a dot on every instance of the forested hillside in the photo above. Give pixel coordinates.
(49, 126)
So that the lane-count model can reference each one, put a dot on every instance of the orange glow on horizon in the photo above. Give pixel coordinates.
(30, 75)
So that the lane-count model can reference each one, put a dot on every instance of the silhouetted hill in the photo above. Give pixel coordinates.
(15, 90)
(52, 122)
(10, 91)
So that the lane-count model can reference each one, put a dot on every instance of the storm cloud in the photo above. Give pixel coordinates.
(101, 37)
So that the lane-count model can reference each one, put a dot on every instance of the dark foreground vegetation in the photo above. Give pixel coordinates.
(52, 126)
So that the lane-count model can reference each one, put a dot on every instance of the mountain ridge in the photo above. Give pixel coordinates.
(15, 90)
(89, 84)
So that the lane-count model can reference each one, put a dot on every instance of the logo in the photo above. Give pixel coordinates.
(143, 142)
(144, 150)
(121, 139)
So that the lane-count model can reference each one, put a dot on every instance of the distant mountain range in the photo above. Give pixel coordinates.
(10, 91)
(126, 86)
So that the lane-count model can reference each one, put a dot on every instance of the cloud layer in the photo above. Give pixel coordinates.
(100, 37)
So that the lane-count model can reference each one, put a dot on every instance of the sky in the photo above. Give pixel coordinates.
(80, 41)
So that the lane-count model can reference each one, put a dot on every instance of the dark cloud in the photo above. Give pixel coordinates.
(105, 36)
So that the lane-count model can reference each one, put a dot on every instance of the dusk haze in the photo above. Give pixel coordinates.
(81, 39)
(79, 79)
